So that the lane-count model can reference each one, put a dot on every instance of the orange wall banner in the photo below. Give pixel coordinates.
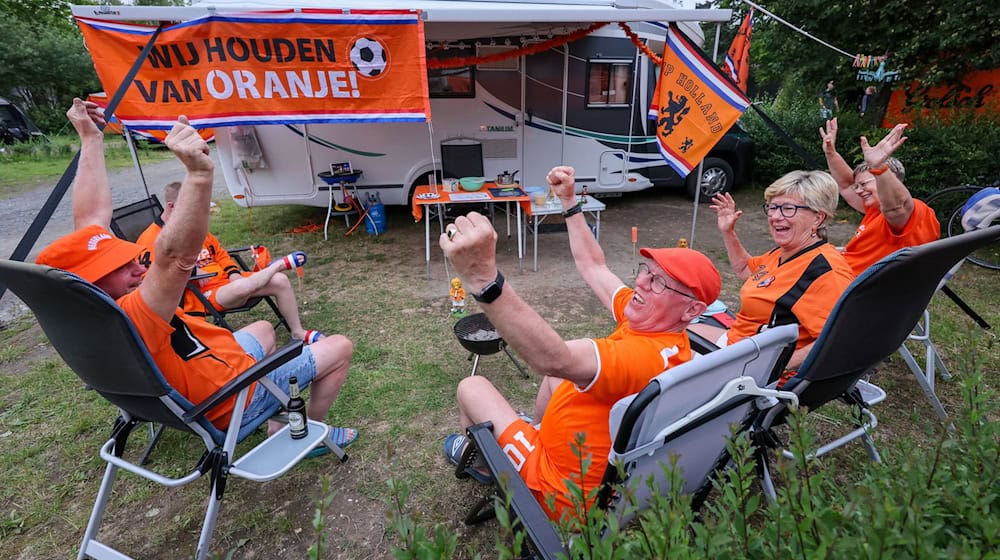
(693, 105)
(275, 67)
(979, 92)
(115, 126)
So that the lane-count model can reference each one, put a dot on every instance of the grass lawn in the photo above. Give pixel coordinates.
(400, 394)
(28, 166)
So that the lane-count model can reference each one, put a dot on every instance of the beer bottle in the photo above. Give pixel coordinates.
(297, 424)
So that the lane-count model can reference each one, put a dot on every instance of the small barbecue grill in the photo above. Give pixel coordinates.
(477, 335)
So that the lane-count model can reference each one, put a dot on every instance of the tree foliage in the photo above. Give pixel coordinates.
(44, 62)
(931, 42)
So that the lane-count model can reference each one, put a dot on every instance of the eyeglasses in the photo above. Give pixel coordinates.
(787, 210)
(657, 283)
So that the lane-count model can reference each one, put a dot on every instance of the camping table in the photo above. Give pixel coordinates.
(461, 197)
(538, 212)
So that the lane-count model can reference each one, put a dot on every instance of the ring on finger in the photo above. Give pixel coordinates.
(450, 232)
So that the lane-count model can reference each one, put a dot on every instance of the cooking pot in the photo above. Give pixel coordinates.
(506, 178)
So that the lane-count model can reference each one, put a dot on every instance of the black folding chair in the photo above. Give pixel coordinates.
(100, 344)
(129, 221)
(870, 321)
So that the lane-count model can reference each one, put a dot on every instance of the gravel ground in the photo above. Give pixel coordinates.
(18, 212)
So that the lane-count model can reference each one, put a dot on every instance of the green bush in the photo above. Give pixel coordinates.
(914, 505)
(936, 155)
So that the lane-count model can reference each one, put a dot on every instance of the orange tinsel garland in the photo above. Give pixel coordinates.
(525, 50)
(639, 44)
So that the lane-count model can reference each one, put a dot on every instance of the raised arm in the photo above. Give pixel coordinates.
(91, 190)
(895, 199)
(470, 245)
(587, 253)
(839, 169)
(179, 243)
(726, 217)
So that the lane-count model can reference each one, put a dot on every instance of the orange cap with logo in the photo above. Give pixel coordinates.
(91, 253)
(689, 267)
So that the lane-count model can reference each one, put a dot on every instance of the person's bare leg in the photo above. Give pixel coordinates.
(264, 333)
(545, 389)
(333, 359)
(267, 282)
(479, 401)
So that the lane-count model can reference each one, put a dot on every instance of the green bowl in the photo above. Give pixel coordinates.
(472, 183)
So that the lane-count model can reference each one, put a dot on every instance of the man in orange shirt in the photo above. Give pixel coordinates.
(194, 356)
(893, 218)
(583, 378)
(231, 287)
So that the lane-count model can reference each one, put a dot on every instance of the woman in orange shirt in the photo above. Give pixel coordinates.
(800, 280)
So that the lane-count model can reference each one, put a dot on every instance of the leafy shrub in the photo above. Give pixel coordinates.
(912, 506)
(937, 154)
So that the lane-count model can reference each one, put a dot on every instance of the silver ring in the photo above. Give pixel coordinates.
(451, 232)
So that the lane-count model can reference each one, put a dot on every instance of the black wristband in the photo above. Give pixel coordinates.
(573, 210)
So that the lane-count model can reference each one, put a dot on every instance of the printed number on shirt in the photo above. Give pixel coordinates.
(516, 456)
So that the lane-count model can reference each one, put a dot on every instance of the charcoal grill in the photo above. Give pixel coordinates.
(478, 335)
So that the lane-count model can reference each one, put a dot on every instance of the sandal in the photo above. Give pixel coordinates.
(337, 436)
(312, 336)
(454, 447)
(294, 260)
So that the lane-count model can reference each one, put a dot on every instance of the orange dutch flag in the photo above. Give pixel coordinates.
(694, 104)
(737, 63)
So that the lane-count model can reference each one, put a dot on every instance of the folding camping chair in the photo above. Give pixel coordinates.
(869, 323)
(129, 221)
(100, 344)
(979, 212)
(685, 411)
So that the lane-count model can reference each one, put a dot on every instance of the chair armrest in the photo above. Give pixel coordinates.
(534, 521)
(242, 381)
(195, 277)
(234, 253)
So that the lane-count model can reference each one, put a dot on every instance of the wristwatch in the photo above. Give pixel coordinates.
(491, 291)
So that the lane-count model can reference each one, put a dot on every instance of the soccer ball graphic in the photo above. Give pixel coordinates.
(369, 57)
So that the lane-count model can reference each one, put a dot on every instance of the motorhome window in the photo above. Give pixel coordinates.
(450, 82)
(608, 83)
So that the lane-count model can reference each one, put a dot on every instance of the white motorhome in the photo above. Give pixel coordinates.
(581, 104)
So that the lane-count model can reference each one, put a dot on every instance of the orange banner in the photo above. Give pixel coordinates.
(311, 66)
(693, 104)
(978, 92)
(115, 126)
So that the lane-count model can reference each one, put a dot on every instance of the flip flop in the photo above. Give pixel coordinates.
(294, 260)
(337, 436)
(454, 447)
(312, 336)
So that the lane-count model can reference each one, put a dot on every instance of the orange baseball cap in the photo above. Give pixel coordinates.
(689, 267)
(91, 253)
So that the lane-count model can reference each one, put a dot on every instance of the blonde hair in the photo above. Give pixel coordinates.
(170, 192)
(817, 189)
(894, 164)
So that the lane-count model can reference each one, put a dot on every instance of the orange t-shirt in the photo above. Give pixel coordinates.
(627, 360)
(212, 258)
(195, 357)
(875, 238)
(801, 290)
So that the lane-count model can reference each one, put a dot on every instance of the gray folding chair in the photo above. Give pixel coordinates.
(686, 411)
(100, 344)
(870, 321)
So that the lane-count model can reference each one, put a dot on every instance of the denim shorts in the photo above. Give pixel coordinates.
(303, 368)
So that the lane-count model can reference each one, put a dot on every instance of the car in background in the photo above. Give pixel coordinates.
(15, 126)
(726, 168)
